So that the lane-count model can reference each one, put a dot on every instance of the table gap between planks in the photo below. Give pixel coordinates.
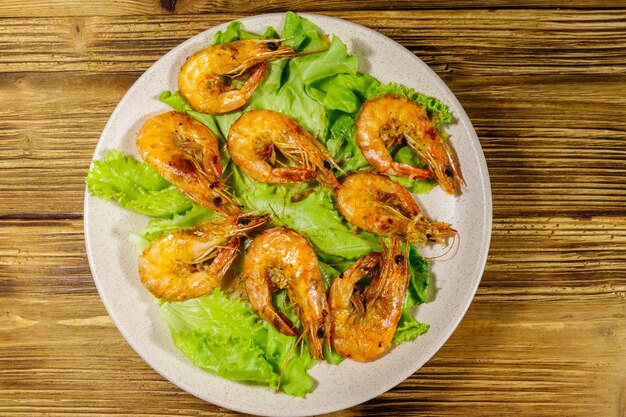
(545, 88)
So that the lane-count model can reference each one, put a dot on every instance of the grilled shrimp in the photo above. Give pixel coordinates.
(363, 325)
(254, 138)
(379, 205)
(185, 152)
(190, 263)
(201, 78)
(280, 257)
(385, 121)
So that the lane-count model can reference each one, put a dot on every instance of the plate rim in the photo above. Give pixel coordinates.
(484, 180)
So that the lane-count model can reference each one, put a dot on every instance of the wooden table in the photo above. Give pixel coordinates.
(546, 91)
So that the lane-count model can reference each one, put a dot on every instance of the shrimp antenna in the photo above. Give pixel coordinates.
(450, 246)
(325, 46)
(230, 174)
(282, 214)
(286, 362)
(276, 216)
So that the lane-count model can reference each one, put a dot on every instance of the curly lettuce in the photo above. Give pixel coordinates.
(135, 186)
(226, 337)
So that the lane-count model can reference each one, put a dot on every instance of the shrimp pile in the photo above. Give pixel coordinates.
(254, 138)
(387, 120)
(272, 148)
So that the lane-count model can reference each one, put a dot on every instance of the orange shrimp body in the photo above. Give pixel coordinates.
(185, 152)
(363, 325)
(201, 78)
(189, 263)
(282, 258)
(254, 138)
(379, 205)
(389, 119)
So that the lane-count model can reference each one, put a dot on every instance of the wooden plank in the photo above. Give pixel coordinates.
(545, 335)
(535, 42)
(550, 358)
(47, 8)
(551, 152)
(529, 258)
(48, 136)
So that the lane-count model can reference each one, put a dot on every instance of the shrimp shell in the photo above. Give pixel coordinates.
(176, 265)
(201, 81)
(363, 325)
(280, 257)
(380, 205)
(185, 152)
(389, 119)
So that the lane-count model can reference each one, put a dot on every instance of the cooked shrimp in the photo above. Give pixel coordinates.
(385, 121)
(282, 258)
(185, 152)
(201, 78)
(363, 325)
(189, 263)
(254, 138)
(379, 205)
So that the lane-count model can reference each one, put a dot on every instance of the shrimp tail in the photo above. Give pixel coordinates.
(361, 268)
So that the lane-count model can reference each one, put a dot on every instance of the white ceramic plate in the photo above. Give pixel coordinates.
(113, 258)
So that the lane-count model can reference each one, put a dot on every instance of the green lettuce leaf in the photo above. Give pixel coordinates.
(193, 217)
(408, 328)
(135, 186)
(234, 32)
(419, 279)
(224, 336)
(315, 216)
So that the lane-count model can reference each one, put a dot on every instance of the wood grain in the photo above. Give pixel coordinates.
(571, 115)
(539, 342)
(46, 8)
(544, 88)
(529, 43)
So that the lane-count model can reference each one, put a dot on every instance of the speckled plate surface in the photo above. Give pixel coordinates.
(113, 258)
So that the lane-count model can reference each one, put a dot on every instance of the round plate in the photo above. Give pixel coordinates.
(113, 258)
